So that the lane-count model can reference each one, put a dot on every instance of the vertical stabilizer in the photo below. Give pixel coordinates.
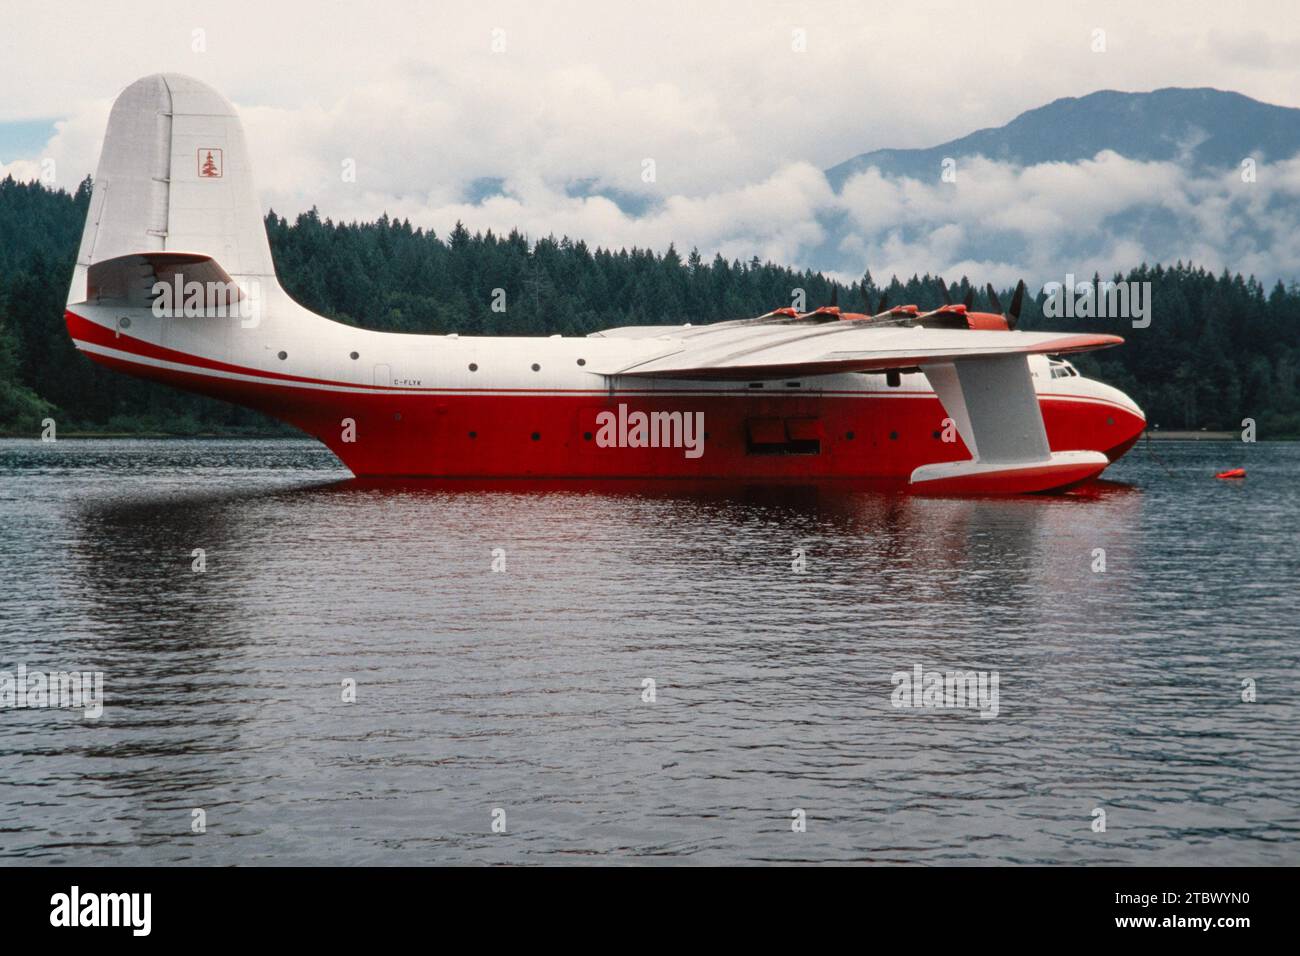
(174, 177)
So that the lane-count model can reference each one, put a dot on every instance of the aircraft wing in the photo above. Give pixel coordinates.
(731, 352)
(982, 379)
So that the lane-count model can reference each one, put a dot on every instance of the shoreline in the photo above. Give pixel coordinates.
(1185, 435)
(1169, 435)
(152, 436)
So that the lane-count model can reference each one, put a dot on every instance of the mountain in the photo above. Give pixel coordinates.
(1067, 190)
(1203, 128)
(1081, 185)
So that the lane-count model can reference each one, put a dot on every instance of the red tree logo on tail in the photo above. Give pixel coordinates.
(210, 163)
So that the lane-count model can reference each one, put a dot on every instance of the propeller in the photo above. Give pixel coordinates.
(1017, 300)
(970, 298)
(947, 316)
(835, 296)
(869, 309)
(993, 299)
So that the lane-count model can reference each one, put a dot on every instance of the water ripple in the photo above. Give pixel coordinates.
(522, 689)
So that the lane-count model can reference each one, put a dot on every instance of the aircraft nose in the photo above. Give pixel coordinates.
(1128, 419)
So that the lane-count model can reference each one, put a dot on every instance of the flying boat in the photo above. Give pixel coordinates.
(174, 282)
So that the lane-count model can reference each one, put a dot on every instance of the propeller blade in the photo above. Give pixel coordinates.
(1013, 314)
(993, 299)
(943, 290)
(970, 297)
(880, 306)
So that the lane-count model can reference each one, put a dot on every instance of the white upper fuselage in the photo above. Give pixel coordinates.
(282, 338)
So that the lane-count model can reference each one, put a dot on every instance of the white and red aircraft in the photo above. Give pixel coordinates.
(950, 401)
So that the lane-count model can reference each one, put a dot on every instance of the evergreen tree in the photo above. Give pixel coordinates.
(1219, 348)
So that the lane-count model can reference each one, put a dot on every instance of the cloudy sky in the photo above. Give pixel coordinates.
(432, 99)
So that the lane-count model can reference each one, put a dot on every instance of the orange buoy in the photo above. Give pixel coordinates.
(1232, 473)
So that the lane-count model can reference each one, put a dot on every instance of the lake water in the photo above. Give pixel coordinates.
(521, 690)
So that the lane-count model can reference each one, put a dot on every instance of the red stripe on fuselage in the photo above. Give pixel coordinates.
(83, 330)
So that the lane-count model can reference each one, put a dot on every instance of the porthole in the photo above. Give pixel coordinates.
(397, 416)
(473, 434)
(849, 435)
(893, 436)
(935, 434)
(582, 361)
(537, 436)
(124, 322)
(283, 356)
(473, 366)
(536, 367)
(586, 436)
(354, 356)
(1110, 420)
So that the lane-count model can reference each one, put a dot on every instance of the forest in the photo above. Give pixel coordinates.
(1219, 349)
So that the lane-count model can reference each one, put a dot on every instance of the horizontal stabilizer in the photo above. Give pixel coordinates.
(131, 281)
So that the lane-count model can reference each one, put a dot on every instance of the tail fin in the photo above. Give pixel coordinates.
(174, 177)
